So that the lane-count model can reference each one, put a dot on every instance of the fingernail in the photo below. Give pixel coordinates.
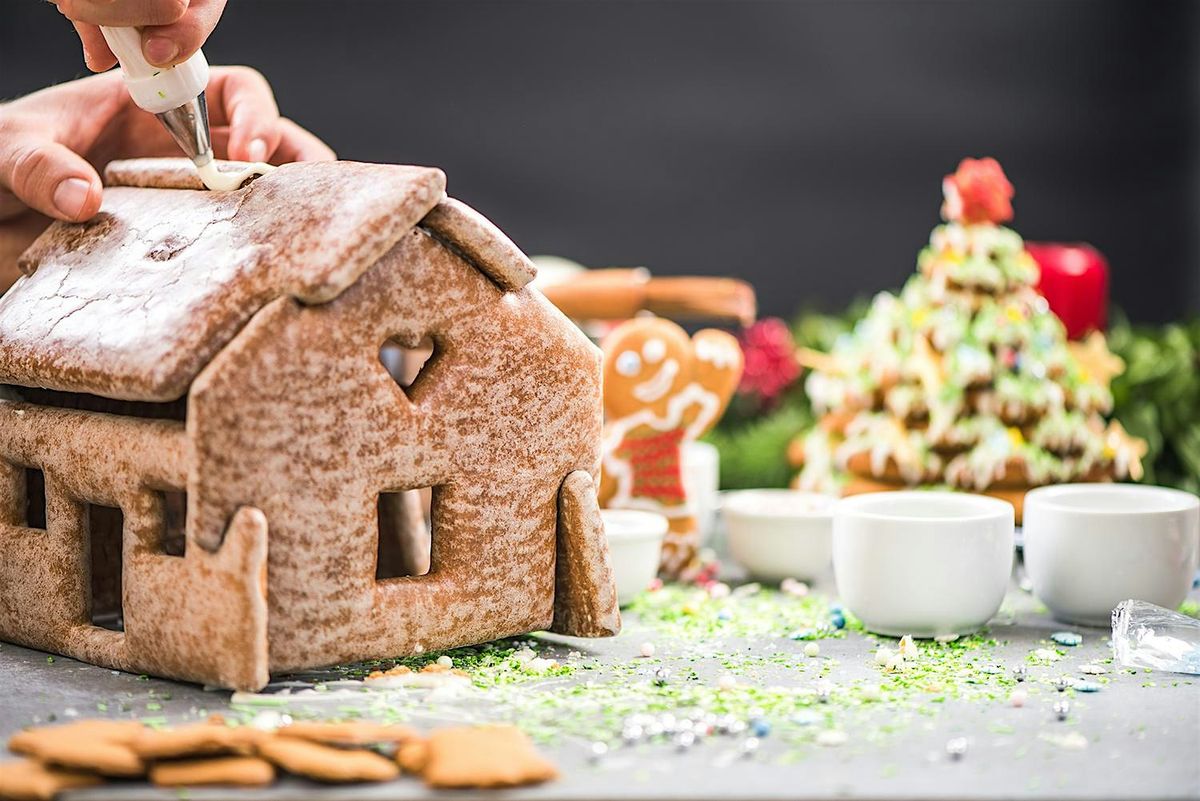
(160, 50)
(70, 195)
(257, 150)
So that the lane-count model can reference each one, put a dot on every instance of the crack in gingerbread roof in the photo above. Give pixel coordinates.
(133, 304)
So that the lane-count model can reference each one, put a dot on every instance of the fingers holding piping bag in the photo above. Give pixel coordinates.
(53, 142)
(172, 30)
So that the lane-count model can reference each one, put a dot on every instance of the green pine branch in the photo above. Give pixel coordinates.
(1157, 398)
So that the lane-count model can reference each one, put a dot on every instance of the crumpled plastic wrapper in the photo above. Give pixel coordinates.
(1149, 636)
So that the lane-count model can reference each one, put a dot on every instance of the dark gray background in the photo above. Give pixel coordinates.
(797, 144)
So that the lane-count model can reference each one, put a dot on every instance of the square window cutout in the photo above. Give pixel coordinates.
(404, 536)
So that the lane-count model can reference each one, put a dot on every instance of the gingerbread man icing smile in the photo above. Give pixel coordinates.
(662, 389)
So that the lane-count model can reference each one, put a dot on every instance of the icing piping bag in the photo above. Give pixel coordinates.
(173, 94)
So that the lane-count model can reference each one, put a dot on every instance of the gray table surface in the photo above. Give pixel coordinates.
(1138, 738)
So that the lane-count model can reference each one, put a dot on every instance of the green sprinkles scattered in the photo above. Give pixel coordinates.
(730, 657)
(736, 656)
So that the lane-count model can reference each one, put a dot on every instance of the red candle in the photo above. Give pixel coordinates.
(1074, 282)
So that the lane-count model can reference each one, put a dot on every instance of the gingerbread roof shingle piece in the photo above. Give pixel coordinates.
(134, 312)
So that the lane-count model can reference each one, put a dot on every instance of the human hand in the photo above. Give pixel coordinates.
(54, 142)
(172, 30)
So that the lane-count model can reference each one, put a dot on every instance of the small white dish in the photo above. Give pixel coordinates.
(779, 533)
(634, 548)
(1090, 546)
(927, 564)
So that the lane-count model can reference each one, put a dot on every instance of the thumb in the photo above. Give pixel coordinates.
(50, 178)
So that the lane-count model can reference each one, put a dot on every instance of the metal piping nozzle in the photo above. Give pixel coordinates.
(188, 126)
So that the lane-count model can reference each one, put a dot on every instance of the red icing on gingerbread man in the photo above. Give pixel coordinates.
(662, 390)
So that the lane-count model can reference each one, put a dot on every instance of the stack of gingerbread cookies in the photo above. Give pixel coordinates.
(92, 752)
(965, 378)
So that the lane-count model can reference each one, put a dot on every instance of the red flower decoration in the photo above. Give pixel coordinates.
(978, 191)
(770, 354)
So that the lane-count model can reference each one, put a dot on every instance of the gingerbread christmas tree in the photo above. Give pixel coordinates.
(965, 378)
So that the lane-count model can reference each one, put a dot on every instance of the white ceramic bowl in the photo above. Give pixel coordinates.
(922, 563)
(701, 481)
(777, 533)
(634, 547)
(1090, 546)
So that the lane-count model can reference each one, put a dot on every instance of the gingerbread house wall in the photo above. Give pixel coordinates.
(198, 616)
(298, 418)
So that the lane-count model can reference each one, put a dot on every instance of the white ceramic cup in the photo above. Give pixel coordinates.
(922, 563)
(1090, 546)
(701, 482)
(779, 533)
(634, 548)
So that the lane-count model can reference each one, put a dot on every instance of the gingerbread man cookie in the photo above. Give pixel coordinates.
(662, 390)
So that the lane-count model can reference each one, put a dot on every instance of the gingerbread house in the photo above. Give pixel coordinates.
(208, 473)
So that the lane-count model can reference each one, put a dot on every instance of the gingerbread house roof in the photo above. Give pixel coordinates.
(134, 303)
